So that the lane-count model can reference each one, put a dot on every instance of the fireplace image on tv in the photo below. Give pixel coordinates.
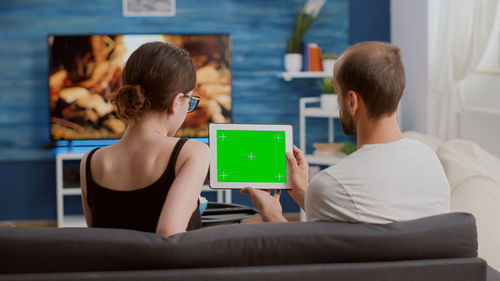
(84, 69)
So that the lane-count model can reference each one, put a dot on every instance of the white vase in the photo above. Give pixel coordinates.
(293, 62)
(328, 65)
(329, 102)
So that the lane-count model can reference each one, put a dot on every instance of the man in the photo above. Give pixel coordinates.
(390, 177)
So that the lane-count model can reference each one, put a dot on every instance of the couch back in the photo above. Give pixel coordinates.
(36, 250)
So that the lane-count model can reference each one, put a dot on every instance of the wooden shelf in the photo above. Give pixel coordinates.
(288, 76)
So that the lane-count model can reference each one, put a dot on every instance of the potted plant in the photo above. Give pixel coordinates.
(328, 98)
(328, 60)
(307, 15)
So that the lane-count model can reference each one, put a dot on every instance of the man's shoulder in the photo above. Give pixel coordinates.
(347, 164)
(395, 149)
(325, 179)
(371, 159)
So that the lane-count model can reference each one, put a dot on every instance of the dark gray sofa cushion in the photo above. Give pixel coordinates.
(69, 250)
(462, 269)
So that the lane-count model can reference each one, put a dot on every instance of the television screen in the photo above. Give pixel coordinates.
(85, 68)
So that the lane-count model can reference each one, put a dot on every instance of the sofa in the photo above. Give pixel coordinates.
(442, 247)
(474, 176)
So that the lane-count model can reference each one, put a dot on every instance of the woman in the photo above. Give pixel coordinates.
(149, 180)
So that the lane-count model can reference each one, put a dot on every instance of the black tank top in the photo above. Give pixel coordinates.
(136, 209)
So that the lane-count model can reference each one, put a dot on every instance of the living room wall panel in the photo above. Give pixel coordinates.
(259, 30)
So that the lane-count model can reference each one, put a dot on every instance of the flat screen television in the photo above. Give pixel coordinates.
(85, 68)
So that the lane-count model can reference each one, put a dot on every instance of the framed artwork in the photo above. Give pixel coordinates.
(148, 8)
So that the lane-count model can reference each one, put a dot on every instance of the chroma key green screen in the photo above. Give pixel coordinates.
(251, 156)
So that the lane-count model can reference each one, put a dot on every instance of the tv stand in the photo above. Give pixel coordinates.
(63, 190)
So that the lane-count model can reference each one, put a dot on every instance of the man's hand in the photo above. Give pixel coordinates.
(299, 178)
(268, 205)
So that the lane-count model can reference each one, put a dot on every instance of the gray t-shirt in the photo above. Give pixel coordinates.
(380, 183)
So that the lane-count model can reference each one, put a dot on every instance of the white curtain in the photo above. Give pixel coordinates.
(459, 31)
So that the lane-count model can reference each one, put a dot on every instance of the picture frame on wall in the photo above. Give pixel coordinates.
(148, 8)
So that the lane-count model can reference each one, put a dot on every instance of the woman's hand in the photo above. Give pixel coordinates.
(299, 175)
(269, 206)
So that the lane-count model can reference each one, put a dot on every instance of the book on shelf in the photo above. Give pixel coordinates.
(312, 57)
(305, 56)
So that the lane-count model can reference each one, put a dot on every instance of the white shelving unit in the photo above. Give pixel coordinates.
(61, 191)
(288, 76)
(304, 112)
(64, 220)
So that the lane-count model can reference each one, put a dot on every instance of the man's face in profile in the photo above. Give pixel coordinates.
(346, 120)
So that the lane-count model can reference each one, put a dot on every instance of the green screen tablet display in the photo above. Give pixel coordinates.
(251, 156)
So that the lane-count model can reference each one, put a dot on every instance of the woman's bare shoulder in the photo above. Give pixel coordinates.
(194, 147)
(194, 151)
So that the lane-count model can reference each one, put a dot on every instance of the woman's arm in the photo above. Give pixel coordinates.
(192, 167)
(83, 186)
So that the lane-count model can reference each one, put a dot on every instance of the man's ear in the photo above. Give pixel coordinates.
(353, 102)
(177, 102)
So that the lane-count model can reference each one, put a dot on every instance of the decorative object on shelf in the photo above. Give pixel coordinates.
(312, 57)
(328, 60)
(293, 62)
(329, 102)
(348, 148)
(328, 97)
(307, 15)
(203, 204)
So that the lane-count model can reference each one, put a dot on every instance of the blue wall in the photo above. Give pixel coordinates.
(370, 20)
(259, 31)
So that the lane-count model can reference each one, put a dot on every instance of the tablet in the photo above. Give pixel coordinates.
(249, 155)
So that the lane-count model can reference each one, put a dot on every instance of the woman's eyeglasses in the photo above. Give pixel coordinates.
(193, 102)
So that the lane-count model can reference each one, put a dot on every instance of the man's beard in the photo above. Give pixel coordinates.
(347, 122)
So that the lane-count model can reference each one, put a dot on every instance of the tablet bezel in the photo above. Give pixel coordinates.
(212, 131)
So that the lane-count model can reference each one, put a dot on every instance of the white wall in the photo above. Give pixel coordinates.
(409, 33)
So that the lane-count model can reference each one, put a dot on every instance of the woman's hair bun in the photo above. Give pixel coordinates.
(152, 77)
(130, 101)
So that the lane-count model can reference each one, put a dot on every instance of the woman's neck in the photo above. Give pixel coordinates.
(149, 126)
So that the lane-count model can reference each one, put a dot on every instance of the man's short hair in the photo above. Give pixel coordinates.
(374, 70)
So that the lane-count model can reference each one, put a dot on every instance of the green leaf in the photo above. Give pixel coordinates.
(348, 148)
